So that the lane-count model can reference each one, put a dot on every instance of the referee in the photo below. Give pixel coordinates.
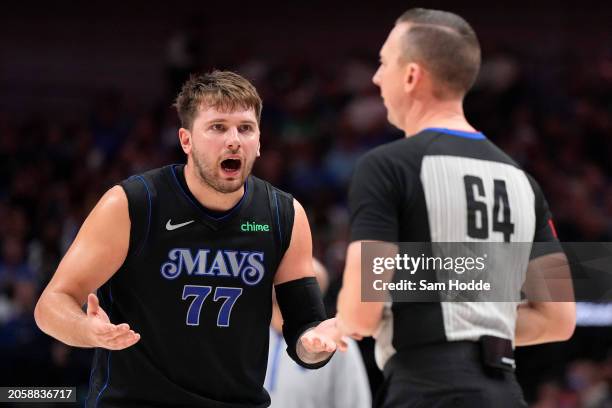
(444, 182)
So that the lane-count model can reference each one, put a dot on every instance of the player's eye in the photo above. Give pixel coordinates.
(218, 127)
(245, 128)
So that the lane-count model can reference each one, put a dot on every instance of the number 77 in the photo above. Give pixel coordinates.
(200, 293)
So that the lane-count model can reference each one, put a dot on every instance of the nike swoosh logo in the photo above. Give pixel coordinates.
(171, 227)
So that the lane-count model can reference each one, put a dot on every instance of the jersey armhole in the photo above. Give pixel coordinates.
(283, 213)
(139, 193)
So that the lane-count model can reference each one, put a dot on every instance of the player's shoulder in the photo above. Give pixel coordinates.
(264, 186)
(148, 178)
(143, 189)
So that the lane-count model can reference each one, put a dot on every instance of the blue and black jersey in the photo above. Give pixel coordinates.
(197, 286)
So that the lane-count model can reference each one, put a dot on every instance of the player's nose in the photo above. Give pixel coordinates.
(232, 139)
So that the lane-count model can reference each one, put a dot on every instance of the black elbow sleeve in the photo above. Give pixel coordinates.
(301, 305)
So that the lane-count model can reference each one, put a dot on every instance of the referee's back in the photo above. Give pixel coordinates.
(444, 185)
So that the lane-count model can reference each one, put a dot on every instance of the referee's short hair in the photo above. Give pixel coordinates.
(446, 45)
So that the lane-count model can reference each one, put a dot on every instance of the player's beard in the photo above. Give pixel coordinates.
(210, 174)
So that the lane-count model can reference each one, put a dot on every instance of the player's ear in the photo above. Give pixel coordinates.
(185, 140)
(412, 75)
(258, 148)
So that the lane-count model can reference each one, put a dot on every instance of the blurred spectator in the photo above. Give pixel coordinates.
(185, 52)
(586, 379)
(551, 395)
(13, 267)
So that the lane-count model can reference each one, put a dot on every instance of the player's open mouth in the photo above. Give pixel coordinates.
(231, 166)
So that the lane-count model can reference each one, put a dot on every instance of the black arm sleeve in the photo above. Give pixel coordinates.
(374, 201)
(301, 305)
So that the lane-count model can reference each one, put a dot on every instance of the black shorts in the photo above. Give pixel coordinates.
(446, 375)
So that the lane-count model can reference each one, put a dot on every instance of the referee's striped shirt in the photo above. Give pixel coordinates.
(443, 185)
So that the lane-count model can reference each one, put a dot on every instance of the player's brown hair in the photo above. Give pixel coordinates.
(225, 91)
(446, 45)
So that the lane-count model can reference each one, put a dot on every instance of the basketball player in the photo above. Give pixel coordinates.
(444, 182)
(183, 259)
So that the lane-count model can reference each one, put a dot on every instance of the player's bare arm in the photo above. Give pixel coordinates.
(97, 252)
(299, 297)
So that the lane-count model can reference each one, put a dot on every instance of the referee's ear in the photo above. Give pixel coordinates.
(412, 77)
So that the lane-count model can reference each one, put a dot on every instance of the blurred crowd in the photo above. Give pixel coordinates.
(587, 384)
(553, 117)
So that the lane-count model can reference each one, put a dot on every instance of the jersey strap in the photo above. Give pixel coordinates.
(141, 194)
(282, 215)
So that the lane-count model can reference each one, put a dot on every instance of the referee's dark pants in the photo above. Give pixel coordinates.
(446, 375)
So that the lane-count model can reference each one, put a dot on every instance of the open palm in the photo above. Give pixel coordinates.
(102, 333)
(323, 338)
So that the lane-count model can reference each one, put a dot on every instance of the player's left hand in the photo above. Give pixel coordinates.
(323, 338)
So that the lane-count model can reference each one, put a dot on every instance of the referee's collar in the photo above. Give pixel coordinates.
(460, 133)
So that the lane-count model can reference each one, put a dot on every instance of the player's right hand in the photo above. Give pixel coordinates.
(100, 332)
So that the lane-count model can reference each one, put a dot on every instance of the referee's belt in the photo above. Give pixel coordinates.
(489, 351)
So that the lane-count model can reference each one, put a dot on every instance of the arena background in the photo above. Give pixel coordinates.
(85, 100)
